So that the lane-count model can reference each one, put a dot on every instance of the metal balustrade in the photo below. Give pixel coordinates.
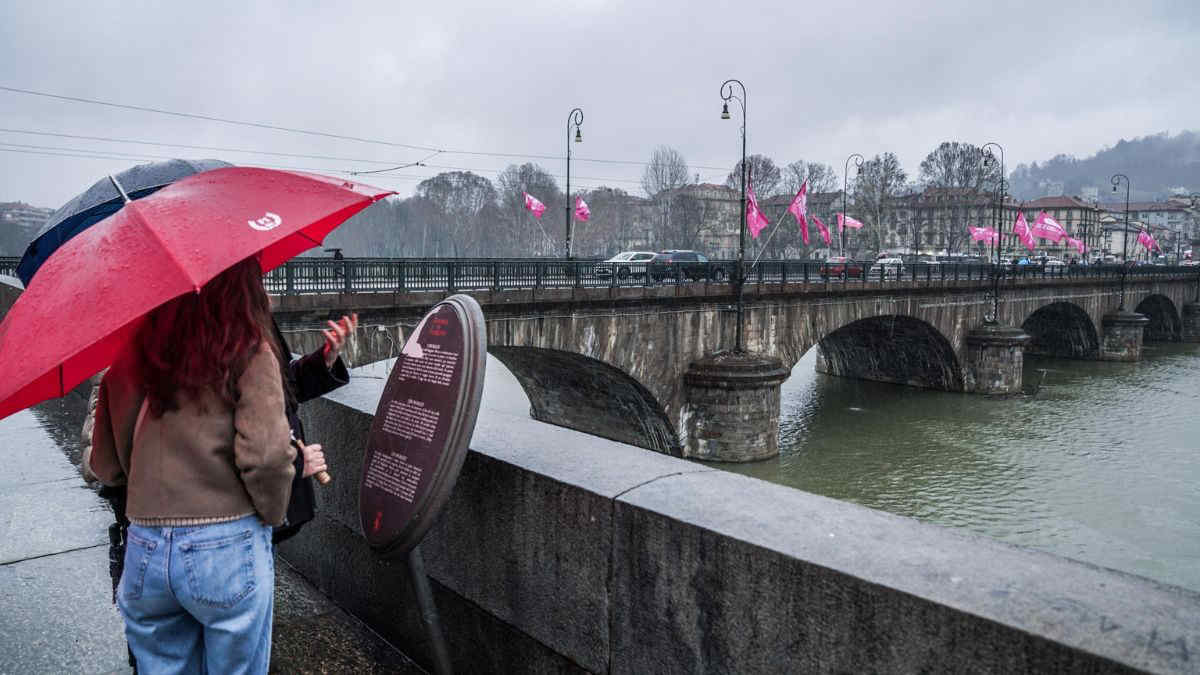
(402, 275)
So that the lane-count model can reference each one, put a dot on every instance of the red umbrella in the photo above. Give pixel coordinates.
(89, 298)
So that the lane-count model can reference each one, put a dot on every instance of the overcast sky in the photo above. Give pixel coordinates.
(824, 80)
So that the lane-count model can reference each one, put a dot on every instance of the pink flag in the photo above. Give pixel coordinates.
(1079, 246)
(821, 227)
(846, 221)
(1048, 228)
(534, 205)
(582, 212)
(1021, 228)
(755, 220)
(799, 208)
(984, 234)
(1146, 240)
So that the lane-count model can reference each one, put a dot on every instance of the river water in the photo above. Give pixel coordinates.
(1101, 465)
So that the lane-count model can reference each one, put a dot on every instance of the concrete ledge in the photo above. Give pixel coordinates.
(560, 551)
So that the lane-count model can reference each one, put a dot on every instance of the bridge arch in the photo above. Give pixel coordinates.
(891, 348)
(1165, 324)
(572, 390)
(1062, 330)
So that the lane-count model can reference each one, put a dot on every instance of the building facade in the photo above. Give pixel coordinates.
(19, 223)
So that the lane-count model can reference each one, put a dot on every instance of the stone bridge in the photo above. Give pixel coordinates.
(614, 362)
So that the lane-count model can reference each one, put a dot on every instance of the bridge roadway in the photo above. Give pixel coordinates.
(610, 359)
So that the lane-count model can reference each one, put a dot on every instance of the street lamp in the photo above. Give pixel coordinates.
(576, 118)
(845, 187)
(1116, 180)
(998, 220)
(736, 278)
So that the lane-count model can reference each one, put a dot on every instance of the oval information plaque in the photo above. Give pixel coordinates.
(423, 426)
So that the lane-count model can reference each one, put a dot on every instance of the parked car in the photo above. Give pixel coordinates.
(625, 264)
(673, 264)
(887, 267)
(1053, 262)
(841, 266)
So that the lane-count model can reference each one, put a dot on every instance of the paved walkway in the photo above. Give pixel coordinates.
(56, 611)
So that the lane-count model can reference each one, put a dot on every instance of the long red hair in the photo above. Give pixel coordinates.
(203, 341)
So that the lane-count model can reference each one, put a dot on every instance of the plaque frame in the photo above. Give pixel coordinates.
(430, 500)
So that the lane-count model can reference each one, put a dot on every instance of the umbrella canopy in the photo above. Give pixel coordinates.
(95, 290)
(102, 200)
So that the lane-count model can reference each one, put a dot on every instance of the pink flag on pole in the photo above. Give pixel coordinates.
(755, 220)
(984, 234)
(845, 221)
(1146, 240)
(799, 209)
(821, 227)
(1021, 229)
(1079, 245)
(534, 205)
(1048, 228)
(582, 212)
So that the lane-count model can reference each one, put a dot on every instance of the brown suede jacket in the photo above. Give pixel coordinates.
(203, 462)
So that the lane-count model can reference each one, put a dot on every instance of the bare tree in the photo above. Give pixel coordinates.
(523, 234)
(666, 170)
(388, 228)
(820, 177)
(609, 228)
(957, 175)
(881, 179)
(457, 198)
(688, 219)
(764, 176)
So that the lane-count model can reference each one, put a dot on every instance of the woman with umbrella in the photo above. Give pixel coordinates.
(191, 417)
(167, 291)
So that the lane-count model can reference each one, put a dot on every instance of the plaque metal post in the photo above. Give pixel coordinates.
(429, 613)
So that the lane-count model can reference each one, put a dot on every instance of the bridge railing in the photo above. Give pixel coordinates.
(402, 275)
(358, 275)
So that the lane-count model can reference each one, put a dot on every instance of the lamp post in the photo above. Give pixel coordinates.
(998, 220)
(736, 277)
(576, 118)
(1116, 180)
(845, 188)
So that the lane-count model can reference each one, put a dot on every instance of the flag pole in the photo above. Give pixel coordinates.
(773, 231)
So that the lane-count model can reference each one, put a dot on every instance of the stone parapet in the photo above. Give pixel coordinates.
(1121, 337)
(561, 552)
(996, 358)
(731, 407)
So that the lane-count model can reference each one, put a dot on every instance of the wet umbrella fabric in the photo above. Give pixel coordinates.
(96, 289)
(102, 200)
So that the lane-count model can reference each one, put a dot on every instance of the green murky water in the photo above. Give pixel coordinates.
(1101, 465)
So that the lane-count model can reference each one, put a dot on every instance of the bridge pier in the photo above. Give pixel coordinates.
(1191, 322)
(1122, 336)
(731, 407)
(996, 358)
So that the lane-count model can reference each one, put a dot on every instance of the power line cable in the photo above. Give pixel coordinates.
(108, 139)
(276, 127)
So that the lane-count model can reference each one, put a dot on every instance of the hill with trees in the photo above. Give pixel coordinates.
(1157, 166)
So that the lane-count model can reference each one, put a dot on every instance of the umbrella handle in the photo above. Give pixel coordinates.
(322, 477)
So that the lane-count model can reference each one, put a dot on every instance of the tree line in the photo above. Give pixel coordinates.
(463, 214)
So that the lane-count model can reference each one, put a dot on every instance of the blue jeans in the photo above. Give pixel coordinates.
(199, 599)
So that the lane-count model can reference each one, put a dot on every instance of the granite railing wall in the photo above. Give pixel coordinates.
(561, 551)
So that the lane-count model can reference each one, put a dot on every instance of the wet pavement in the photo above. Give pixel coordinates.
(56, 612)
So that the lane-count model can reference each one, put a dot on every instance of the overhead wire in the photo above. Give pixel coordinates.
(324, 134)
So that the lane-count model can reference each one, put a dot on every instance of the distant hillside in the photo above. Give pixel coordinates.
(1156, 165)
